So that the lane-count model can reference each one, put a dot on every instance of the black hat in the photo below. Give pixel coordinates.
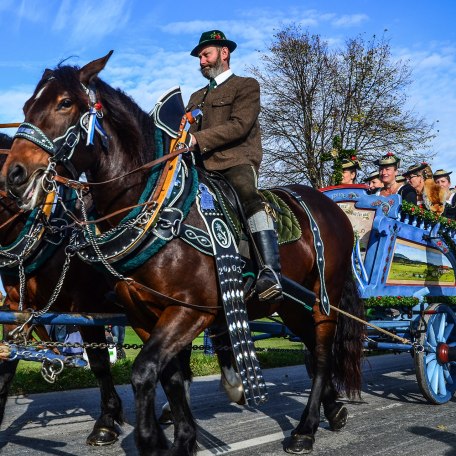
(372, 175)
(388, 160)
(216, 38)
(416, 168)
(442, 173)
(350, 164)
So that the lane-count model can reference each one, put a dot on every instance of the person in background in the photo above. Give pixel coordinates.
(387, 168)
(349, 171)
(373, 181)
(227, 139)
(442, 178)
(429, 194)
(118, 337)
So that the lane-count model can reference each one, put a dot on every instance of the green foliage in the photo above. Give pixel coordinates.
(390, 301)
(428, 216)
(338, 155)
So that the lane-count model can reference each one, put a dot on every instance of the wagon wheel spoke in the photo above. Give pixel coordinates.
(431, 336)
(448, 331)
(441, 328)
(442, 384)
(447, 374)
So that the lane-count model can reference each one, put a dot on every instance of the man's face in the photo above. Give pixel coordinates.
(388, 174)
(348, 176)
(211, 62)
(416, 181)
(375, 183)
(443, 182)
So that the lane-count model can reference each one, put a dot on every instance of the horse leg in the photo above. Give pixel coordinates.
(335, 412)
(185, 428)
(166, 416)
(303, 437)
(7, 372)
(104, 431)
(155, 362)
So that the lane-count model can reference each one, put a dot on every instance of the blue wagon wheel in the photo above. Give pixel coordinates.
(435, 372)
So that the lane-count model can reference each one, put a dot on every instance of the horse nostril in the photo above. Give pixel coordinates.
(17, 175)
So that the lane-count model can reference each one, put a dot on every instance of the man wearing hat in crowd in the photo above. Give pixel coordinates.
(349, 170)
(442, 178)
(387, 168)
(429, 194)
(227, 140)
(373, 181)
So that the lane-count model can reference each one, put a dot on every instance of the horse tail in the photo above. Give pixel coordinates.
(348, 343)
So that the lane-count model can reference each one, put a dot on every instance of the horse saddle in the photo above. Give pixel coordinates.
(287, 225)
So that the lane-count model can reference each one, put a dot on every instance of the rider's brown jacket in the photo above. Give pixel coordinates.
(229, 132)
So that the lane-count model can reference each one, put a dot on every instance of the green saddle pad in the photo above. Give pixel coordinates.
(288, 228)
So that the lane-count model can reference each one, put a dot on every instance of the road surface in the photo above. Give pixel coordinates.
(392, 418)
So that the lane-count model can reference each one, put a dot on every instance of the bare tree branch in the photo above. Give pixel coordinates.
(311, 95)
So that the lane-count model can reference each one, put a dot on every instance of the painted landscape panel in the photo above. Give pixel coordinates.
(415, 264)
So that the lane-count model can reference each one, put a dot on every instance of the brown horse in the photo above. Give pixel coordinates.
(73, 297)
(174, 295)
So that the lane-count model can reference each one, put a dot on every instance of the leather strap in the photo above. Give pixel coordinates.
(76, 185)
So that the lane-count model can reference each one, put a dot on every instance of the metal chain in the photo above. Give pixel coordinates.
(94, 244)
(66, 265)
(20, 258)
(104, 345)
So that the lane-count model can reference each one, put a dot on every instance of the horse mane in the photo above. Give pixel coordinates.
(135, 127)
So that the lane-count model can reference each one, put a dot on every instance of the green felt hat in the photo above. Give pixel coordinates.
(350, 164)
(214, 38)
(372, 175)
(400, 179)
(388, 160)
(416, 168)
(442, 173)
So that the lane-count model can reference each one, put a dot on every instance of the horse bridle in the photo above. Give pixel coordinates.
(61, 149)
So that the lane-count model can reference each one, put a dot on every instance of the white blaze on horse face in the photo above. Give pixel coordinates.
(40, 92)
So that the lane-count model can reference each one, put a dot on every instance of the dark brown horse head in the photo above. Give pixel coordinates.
(58, 103)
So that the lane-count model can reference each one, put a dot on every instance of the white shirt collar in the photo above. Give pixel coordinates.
(222, 77)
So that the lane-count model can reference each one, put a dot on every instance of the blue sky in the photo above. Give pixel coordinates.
(152, 41)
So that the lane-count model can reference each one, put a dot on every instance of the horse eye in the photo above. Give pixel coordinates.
(65, 103)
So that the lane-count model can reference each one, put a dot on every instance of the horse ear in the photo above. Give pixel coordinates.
(46, 74)
(89, 71)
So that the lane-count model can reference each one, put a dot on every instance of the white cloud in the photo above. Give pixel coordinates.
(350, 20)
(88, 21)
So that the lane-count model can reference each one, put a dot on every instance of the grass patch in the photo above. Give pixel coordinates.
(275, 352)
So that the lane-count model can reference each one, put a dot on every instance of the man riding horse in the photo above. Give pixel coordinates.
(228, 141)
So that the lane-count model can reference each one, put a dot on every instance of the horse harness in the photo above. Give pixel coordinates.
(159, 218)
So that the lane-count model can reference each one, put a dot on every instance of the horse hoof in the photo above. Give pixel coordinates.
(339, 419)
(102, 436)
(166, 417)
(300, 444)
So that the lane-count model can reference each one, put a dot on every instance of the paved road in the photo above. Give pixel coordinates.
(391, 419)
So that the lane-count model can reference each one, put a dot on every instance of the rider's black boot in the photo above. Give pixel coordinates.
(268, 286)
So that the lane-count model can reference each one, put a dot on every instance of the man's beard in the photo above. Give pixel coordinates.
(211, 71)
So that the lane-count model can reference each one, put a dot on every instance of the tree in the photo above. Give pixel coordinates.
(312, 95)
